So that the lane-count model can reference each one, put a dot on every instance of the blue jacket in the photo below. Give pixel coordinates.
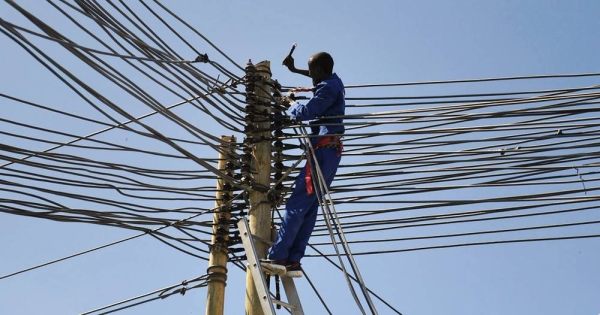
(327, 101)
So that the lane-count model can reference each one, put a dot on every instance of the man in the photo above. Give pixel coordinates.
(324, 111)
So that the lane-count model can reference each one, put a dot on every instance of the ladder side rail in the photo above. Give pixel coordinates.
(254, 265)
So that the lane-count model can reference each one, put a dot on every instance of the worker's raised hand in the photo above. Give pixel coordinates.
(289, 100)
(289, 62)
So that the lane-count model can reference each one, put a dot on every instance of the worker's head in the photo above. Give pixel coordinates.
(320, 67)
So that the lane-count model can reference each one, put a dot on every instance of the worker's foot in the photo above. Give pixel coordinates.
(294, 270)
(274, 267)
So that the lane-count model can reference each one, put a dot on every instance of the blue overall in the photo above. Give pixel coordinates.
(301, 208)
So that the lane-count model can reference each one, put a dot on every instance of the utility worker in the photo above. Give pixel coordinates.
(324, 111)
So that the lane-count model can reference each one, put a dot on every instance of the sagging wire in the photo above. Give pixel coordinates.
(131, 118)
(456, 245)
(179, 288)
(96, 133)
(66, 45)
(320, 254)
(199, 34)
(102, 246)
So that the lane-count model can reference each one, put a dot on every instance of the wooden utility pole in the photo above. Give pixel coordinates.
(217, 264)
(258, 97)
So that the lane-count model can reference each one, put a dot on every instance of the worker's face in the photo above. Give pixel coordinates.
(317, 74)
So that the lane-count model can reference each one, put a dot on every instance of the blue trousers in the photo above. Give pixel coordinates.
(301, 209)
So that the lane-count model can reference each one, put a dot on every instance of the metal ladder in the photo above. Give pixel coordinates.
(266, 301)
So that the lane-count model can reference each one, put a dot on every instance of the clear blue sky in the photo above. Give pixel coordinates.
(372, 42)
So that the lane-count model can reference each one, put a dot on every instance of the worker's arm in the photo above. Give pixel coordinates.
(289, 63)
(323, 99)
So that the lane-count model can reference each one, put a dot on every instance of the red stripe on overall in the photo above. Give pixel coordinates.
(325, 141)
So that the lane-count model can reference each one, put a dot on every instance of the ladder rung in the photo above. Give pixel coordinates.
(284, 304)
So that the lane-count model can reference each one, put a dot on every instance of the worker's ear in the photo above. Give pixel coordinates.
(318, 74)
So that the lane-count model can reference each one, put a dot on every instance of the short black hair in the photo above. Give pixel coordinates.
(323, 61)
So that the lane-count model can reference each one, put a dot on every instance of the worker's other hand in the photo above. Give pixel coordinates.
(289, 101)
(289, 62)
(285, 102)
